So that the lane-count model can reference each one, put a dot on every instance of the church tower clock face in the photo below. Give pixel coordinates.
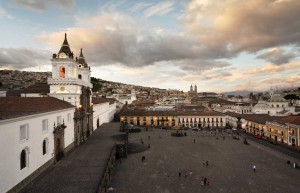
(62, 88)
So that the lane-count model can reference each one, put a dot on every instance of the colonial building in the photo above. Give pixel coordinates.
(34, 132)
(193, 91)
(275, 106)
(174, 118)
(71, 82)
(224, 106)
(279, 129)
(286, 130)
(48, 120)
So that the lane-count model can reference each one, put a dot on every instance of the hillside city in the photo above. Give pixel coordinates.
(65, 122)
(14, 82)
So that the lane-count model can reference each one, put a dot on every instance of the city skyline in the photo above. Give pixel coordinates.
(217, 45)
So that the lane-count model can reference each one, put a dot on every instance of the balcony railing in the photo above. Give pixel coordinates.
(70, 81)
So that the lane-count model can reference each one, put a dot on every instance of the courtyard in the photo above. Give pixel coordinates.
(230, 165)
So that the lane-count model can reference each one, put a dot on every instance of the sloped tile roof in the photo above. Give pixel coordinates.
(103, 100)
(37, 88)
(11, 107)
(169, 113)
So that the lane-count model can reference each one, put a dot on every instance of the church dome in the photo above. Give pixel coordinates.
(277, 98)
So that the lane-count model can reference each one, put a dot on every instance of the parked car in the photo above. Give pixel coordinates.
(234, 129)
(257, 136)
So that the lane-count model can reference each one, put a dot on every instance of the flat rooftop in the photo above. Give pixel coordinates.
(82, 169)
(230, 166)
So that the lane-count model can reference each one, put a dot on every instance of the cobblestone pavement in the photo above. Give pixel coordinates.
(82, 169)
(230, 168)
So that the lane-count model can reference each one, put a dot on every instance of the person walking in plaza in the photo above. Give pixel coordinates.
(254, 168)
(205, 180)
(206, 163)
(202, 181)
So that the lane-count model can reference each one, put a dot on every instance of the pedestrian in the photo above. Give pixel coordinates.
(206, 163)
(207, 183)
(205, 180)
(217, 138)
(254, 168)
(194, 141)
(191, 173)
(203, 162)
(143, 158)
(179, 174)
(202, 181)
(148, 145)
(294, 165)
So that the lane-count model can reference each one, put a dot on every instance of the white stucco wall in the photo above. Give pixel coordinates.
(105, 112)
(101, 111)
(11, 146)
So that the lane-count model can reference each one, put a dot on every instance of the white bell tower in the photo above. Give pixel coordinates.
(69, 75)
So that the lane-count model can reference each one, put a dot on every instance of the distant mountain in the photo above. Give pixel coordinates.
(246, 92)
(241, 93)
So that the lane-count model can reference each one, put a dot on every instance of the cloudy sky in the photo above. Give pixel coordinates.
(219, 45)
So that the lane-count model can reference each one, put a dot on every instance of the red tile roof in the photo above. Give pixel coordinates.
(258, 118)
(169, 113)
(103, 100)
(37, 88)
(292, 119)
(11, 107)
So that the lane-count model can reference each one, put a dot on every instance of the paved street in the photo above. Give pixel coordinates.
(82, 169)
(229, 170)
(288, 151)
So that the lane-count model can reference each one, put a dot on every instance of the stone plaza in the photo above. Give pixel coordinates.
(230, 165)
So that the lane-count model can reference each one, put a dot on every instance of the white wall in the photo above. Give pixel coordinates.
(112, 111)
(101, 111)
(11, 146)
(105, 112)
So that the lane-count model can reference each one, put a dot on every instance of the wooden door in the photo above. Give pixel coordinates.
(57, 149)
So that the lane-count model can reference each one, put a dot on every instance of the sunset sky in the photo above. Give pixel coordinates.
(219, 45)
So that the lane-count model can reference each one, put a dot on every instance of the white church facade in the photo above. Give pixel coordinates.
(39, 131)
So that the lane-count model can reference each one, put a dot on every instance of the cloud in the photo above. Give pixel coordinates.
(21, 58)
(41, 5)
(110, 38)
(268, 69)
(273, 69)
(295, 79)
(236, 26)
(159, 9)
(280, 80)
(272, 80)
(139, 6)
(216, 75)
(196, 66)
(2, 12)
(276, 56)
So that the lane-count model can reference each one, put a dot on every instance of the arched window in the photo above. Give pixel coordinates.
(23, 158)
(45, 146)
(62, 72)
